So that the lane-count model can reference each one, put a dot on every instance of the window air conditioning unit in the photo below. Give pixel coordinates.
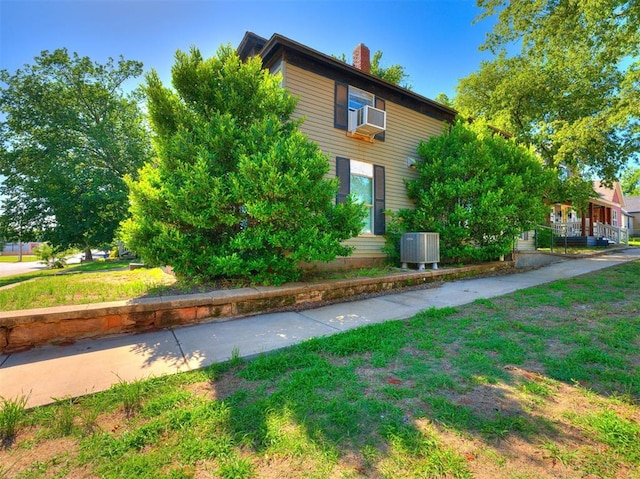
(420, 248)
(367, 120)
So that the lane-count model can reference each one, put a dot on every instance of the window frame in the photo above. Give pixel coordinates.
(343, 172)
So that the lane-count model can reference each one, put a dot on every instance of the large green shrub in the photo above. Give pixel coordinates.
(477, 189)
(236, 190)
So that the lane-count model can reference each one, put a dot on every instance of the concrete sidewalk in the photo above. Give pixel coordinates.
(95, 365)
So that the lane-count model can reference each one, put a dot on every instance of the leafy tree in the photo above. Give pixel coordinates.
(477, 189)
(445, 100)
(18, 215)
(235, 190)
(630, 181)
(395, 74)
(571, 92)
(68, 137)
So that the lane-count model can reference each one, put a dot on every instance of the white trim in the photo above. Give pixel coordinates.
(361, 169)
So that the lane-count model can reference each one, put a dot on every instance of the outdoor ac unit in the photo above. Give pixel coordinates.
(367, 120)
(420, 248)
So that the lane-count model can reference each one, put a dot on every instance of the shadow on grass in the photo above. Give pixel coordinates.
(437, 395)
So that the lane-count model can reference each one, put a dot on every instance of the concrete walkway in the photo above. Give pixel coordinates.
(95, 365)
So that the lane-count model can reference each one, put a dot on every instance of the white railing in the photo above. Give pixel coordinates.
(571, 228)
(613, 233)
(600, 230)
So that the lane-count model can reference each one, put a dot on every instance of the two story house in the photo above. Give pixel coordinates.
(370, 128)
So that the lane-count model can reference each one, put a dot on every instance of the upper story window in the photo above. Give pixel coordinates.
(350, 99)
(359, 98)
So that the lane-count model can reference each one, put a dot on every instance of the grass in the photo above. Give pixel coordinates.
(80, 284)
(14, 259)
(541, 383)
(111, 281)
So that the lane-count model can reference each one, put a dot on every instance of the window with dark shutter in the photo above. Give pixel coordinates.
(379, 227)
(343, 172)
(341, 111)
(377, 206)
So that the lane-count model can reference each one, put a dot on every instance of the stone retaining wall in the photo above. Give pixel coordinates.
(24, 329)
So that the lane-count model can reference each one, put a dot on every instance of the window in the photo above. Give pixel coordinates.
(361, 188)
(365, 183)
(359, 98)
(351, 98)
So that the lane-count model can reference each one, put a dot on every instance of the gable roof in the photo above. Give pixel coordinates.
(610, 195)
(279, 46)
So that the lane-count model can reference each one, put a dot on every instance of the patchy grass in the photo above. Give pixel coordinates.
(14, 259)
(110, 281)
(541, 383)
(55, 290)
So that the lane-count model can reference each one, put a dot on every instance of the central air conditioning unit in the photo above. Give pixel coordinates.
(367, 120)
(420, 248)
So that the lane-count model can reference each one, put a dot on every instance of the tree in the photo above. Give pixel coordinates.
(476, 189)
(571, 92)
(235, 190)
(19, 214)
(68, 138)
(630, 181)
(395, 74)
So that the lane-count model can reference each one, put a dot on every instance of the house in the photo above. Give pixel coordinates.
(13, 249)
(369, 128)
(632, 208)
(604, 219)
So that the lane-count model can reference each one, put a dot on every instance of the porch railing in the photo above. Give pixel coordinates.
(600, 230)
(613, 233)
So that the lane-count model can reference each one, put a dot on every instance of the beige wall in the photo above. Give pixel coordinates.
(405, 129)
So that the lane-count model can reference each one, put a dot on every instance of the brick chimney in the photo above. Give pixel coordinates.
(361, 58)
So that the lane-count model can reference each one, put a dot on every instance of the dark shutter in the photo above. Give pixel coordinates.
(379, 227)
(341, 108)
(343, 172)
(380, 105)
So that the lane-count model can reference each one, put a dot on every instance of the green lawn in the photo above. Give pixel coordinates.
(14, 259)
(541, 383)
(92, 282)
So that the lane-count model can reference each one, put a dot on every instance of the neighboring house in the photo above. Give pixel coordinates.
(369, 128)
(13, 249)
(605, 217)
(632, 208)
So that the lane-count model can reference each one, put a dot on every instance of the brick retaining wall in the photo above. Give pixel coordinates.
(24, 329)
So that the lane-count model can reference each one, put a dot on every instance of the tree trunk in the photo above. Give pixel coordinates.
(87, 255)
(20, 250)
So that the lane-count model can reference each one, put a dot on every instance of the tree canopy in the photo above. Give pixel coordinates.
(630, 181)
(476, 189)
(571, 88)
(68, 137)
(235, 189)
(395, 74)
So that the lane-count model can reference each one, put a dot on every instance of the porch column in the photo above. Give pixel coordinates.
(590, 219)
(583, 224)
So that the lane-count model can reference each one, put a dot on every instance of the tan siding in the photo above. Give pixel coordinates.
(405, 129)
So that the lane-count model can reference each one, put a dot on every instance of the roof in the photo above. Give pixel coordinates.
(610, 195)
(632, 203)
(301, 55)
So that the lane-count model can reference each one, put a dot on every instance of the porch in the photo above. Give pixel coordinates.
(598, 234)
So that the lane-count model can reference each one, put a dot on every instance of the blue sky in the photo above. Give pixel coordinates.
(435, 40)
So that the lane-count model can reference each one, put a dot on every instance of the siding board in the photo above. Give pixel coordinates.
(405, 129)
